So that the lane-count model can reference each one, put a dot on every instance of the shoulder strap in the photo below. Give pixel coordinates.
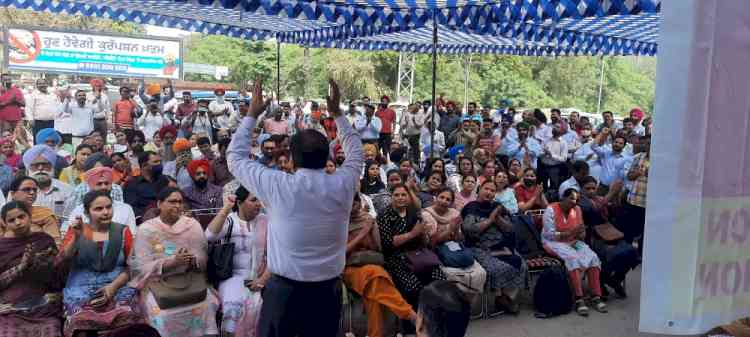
(228, 235)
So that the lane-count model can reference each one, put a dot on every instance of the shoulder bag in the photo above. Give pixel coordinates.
(221, 257)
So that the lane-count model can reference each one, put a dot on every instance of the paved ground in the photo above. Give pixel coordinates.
(621, 321)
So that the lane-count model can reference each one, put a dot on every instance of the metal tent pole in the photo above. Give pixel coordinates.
(434, 79)
(467, 69)
(278, 71)
(601, 87)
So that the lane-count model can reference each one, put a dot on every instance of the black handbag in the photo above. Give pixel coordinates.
(221, 257)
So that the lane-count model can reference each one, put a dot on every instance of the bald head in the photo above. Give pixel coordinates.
(309, 149)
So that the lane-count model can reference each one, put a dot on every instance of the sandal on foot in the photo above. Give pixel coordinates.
(599, 305)
(581, 308)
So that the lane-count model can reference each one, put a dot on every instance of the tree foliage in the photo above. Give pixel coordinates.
(545, 82)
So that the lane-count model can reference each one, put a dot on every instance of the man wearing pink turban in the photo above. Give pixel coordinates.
(100, 179)
(637, 116)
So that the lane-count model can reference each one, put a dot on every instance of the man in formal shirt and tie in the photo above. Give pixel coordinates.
(308, 215)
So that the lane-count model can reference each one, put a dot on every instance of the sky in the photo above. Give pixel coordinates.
(165, 32)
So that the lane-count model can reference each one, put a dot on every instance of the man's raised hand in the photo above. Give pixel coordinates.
(334, 99)
(257, 105)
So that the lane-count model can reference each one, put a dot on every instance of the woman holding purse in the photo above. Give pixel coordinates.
(168, 267)
(402, 235)
(240, 221)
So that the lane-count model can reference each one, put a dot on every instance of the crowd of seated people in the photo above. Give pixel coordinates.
(96, 244)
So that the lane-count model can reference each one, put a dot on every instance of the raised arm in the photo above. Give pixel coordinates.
(350, 140)
(250, 173)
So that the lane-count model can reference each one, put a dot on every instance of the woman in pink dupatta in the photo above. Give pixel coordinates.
(167, 245)
(240, 294)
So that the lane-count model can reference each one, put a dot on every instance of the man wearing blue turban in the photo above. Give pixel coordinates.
(48, 136)
(39, 162)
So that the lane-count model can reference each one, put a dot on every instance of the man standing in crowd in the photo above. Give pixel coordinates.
(186, 108)
(369, 126)
(125, 111)
(411, 127)
(612, 158)
(276, 125)
(635, 207)
(82, 115)
(11, 103)
(309, 211)
(388, 119)
(42, 107)
(526, 149)
(220, 106)
(98, 97)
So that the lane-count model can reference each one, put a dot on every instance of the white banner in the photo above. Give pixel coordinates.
(696, 271)
(54, 51)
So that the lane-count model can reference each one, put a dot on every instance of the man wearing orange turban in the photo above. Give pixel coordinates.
(177, 168)
(202, 194)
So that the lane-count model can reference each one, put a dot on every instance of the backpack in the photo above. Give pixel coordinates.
(552, 293)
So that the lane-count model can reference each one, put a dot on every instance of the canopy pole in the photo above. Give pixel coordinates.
(434, 79)
(601, 87)
(467, 69)
(278, 71)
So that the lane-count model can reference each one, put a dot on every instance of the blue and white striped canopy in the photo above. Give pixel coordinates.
(520, 27)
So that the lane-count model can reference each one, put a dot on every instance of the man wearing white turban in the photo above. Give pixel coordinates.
(54, 194)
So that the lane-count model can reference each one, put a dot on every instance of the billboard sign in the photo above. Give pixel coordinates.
(83, 53)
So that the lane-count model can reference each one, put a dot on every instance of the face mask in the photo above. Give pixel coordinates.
(529, 182)
(201, 183)
(156, 170)
(220, 99)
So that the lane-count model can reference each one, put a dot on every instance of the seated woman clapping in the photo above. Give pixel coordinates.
(96, 296)
(170, 251)
(489, 234)
(402, 234)
(364, 273)
(563, 234)
(240, 294)
(29, 296)
(443, 225)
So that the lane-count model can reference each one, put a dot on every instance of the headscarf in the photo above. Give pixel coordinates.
(194, 165)
(95, 175)
(181, 144)
(153, 89)
(39, 150)
(45, 134)
(167, 129)
(95, 158)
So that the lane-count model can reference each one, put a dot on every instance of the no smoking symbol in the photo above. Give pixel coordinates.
(24, 45)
